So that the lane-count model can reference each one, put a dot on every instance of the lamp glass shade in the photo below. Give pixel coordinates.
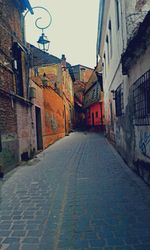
(43, 42)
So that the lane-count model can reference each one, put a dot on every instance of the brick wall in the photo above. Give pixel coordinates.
(11, 108)
(9, 152)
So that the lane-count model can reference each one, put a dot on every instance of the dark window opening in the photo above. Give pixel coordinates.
(141, 96)
(119, 100)
(110, 35)
(39, 137)
(93, 94)
(17, 65)
(0, 143)
(107, 42)
(88, 113)
(111, 116)
(36, 72)
(44, 80)
(25, 156)
(93, 119)
(117, 14)
(96, 114)
(55, 85)
(105, 64)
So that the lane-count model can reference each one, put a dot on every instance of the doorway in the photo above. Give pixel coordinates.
(38, 128)
(92, 119)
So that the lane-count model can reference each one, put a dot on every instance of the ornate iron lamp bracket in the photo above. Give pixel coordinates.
(42, 41)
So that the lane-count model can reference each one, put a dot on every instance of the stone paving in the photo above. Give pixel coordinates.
(77, 194)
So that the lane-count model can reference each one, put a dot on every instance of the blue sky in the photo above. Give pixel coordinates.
(73, 30)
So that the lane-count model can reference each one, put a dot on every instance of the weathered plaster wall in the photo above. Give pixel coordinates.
(24, 129)
(38, 101)
(54, 117)
(56, 101)
(82, 72)
(86, 74)
(132, 141)
(68, 87)
(141, 133)
(135, 12)
(93, 109)
(135, 6)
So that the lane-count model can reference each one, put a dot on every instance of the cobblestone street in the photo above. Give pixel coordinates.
(77, 194)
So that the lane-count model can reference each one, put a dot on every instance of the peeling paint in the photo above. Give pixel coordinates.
(50, 119)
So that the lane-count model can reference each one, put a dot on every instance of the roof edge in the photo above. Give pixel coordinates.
(27, 5)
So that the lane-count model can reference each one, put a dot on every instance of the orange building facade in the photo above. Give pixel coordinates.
(53, 103)
(54, 117)
(81, 75)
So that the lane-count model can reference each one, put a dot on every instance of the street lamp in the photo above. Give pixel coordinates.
(43, 42)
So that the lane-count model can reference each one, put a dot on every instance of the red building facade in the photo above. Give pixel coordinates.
(94, 115)
(93, 103)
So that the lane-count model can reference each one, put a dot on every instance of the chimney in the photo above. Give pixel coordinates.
(63, 62)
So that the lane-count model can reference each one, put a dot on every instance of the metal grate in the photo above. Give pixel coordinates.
(141, 96)
(119, 100)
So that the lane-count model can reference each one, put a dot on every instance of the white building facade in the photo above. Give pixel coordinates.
(118, 28)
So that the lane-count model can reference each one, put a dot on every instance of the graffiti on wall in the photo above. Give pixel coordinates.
(144, 144)
(52, 121)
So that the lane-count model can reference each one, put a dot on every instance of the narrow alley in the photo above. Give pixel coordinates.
(77, 194)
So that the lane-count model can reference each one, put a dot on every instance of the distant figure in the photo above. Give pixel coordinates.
(1, 173)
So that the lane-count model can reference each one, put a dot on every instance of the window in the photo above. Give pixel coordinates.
(0, 143)
(94, 94)
(107, 44)
(96, 114)
(55, 85)
(105, 64)
(36, 73)
(111, 115)
(119, 100)
(110, 37)
(141, 96)
(88, 113)
(117, 14)
(17, 54)
(44, 80)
